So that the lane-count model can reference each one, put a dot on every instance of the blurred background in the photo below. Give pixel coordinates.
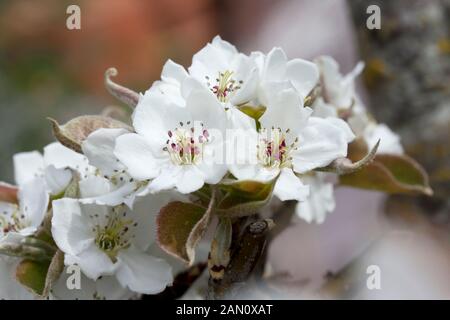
(48, 70)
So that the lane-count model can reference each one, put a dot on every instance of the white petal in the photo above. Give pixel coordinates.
(189, 85)
(93, 262)
(303, 74)
(241, 149)
(190, 179)
(57, 180)
(6, 211)
(143, 273)
(155, 115)
(269, 89)
(343, 127)
(275, 66)
(319, 203)
(166, 180)
(389, 141)
(323, 109)
(259, 59)
(116, 196)
(33, 201)
(145, 212)
(320, 142)
(289, 187)
(247, 72)
(62, 157)
(27, 165)
(213, 58)
(254, 172)
(94, 186)
(173, 72)
(204, 107)
(99, 149)
(170, 91)
(70, 229)
(238, 120)
(286, 111)
(224, 45)
(137, 155)
(212, 165)
(339, 90)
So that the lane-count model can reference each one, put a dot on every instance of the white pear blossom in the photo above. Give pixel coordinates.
(54, 166)
(18, 220)
(338, 90)
(320, 201)
(228, 75)
(21, 219)
(338, 96)
(278, 73)
(175, 147)
(112, 241)
(290, 142)
(110, 183)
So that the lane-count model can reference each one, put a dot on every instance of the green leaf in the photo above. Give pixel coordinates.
(181, 225)
(40, 276)
(74, 132)
(391, 174)
(32, 274)
(252, 111)
(244, 198)
(357, 149)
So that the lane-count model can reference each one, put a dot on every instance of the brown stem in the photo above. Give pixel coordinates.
(246, 251)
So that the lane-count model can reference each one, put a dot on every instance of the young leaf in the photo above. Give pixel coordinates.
(181, 225)
(74, 132)
(244, 198)
(32, 275)
(40, 276)
(127, 96)
(253, 112)
(392, 174)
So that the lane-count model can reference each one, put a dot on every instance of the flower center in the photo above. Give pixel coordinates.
(224, 85)
(115, 233)
(273, 150)
(185, 144)
(13, 222)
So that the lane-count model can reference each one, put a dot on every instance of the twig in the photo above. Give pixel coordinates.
(246, 252)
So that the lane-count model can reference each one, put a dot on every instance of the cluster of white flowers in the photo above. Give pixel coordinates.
(337, 98)
(192, 128)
